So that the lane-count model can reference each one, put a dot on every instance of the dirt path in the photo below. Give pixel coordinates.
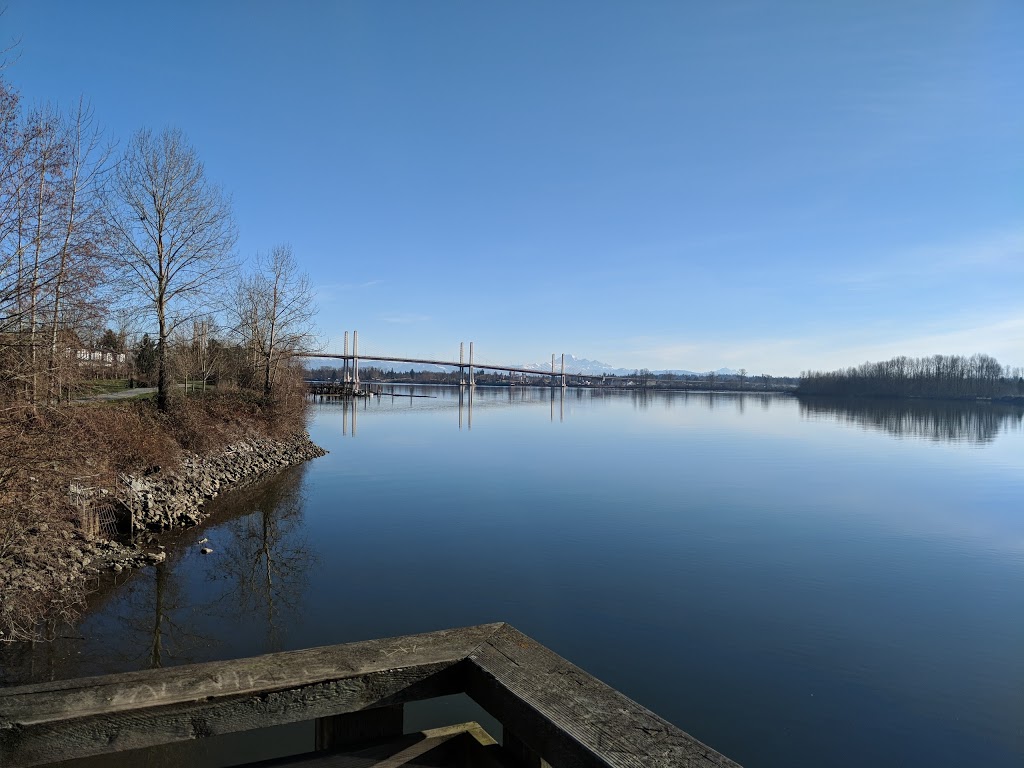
(122, 394)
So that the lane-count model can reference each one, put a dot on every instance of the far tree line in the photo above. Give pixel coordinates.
(99, 246)
(939, 376)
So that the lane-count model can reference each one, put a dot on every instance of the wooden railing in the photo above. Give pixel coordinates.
(552, 712)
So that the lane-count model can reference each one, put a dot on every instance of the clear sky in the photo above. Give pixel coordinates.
(774, 186)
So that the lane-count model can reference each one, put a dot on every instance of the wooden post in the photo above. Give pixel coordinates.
(338, 731)
(521, 753)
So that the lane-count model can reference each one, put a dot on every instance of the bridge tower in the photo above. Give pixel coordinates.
(355, 367)
(462, 370)
(552, 369)
(344, 362)
(472, 380)
(563, 370)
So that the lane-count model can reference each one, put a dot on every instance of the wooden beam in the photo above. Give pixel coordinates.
(571, 719)
(90, 716)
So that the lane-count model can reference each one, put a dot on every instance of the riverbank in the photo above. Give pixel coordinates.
(163, 500)
(166, 500)
(85, 470)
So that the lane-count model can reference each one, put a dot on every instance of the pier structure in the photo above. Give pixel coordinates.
(551, 712)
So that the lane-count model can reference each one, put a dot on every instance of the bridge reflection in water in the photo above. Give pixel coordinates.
(351, 405)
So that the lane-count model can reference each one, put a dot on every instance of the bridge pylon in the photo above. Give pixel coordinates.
(344, 362)
(355, 366)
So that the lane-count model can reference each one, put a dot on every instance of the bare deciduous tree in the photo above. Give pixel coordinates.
(174, 232)
(273, 313)
(51, 233)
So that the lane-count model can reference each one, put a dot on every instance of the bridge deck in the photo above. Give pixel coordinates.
(427, 361)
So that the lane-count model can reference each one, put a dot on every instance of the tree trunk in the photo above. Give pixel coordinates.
(162, 399)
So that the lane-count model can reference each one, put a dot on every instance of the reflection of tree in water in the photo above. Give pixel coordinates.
(645, 398)
(153, 624)
(160, 617)
(262, 556)
(927, 420)
(146, 622)
(38, 660)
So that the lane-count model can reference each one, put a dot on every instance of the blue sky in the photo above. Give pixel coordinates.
(773, 186)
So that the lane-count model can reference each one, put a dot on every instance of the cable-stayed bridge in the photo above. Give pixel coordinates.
(350, 363)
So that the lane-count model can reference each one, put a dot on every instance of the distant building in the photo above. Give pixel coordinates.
(97, 357)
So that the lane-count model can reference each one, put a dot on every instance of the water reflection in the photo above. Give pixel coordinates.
(464, 399)
(938, 421)
(254, 581)
(643, 399)
(266, 557)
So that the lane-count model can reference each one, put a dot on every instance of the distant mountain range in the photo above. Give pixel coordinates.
(582, 366)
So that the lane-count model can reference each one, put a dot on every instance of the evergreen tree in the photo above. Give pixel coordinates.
(145, 357)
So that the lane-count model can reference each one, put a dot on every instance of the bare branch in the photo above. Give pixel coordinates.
(174, 232)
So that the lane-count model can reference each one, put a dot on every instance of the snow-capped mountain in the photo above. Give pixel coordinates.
(576, 365)
(582, 366)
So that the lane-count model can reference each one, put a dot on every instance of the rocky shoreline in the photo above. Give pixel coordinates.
(177, 499)
(160, 500)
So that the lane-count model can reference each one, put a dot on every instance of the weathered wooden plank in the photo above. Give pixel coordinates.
(570, 718)
(152, 726)
(276, 671)
(75, 718)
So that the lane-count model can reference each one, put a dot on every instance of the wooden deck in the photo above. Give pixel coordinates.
(552, 712)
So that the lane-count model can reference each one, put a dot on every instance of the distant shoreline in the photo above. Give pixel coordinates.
(961, 399)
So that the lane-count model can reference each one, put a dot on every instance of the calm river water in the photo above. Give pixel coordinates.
(796, 584)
